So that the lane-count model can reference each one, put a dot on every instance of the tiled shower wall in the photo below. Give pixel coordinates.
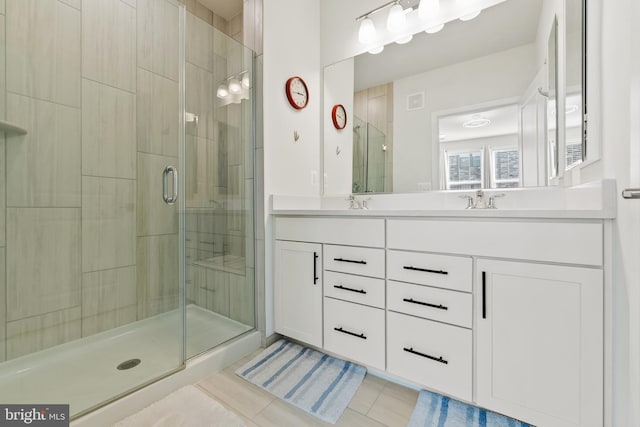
(86, 244)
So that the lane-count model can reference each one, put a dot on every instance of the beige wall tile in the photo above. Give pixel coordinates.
(158, 37)
(235, 28)
(200, 92)
(154, 215)
(73, 3)
(109, 43)
(40, 332)
(43, 261)
(3, 181)
(43, 50)
(217, 287)
(157, 274)
(220, 24)
(3, 62)
(2, 6)
(132, 3)
(108, 223)
(108, 299)
(108, 131)
(157, 114)
(43, 166)
(3, 307)
(198, 42)
(242, 298)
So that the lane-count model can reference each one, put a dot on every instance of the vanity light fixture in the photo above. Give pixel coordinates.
(376, 50)
(234, 86)
(467, 5)
(428, 8)
(435, 29)
(477, 121)
(222, 92)
(367, 33)
(397, 20)
(405, 39)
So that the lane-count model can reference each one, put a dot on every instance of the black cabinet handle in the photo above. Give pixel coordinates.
(315, 268)
(344, 331)
(349, 260)
(484, 294)
(426, 270)
(436, 359)
(439, 306)
(361, 291)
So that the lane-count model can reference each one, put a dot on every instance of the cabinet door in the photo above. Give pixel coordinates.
(539, 337)
(298, 291)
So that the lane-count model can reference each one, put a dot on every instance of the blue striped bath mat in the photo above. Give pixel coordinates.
(434, 410)
(312, 381)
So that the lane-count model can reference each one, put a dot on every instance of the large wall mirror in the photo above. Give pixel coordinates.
(492, 102)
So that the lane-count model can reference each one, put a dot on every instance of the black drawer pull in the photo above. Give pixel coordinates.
(361, 291)
(439, 306)
(350, 333)
(437, 359)
(349, 260)
(426, 270)
(315, 268)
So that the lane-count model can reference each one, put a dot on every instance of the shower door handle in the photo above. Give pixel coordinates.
(169, 170)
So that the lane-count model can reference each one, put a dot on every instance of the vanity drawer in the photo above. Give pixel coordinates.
(441, 271)
(354, 260)
(431, 303)
(432, 354)
(358, 289)
(355, 332)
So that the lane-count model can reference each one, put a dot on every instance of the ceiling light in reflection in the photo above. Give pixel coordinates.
(435, 29)
(376, 50)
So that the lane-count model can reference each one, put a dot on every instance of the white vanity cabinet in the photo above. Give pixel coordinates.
(298, 294)
(539, 338)
(506, 313)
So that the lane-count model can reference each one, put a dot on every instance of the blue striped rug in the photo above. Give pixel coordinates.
(312, 381)
(434, 410)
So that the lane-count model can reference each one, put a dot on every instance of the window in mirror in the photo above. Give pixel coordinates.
(464, 170)
(481, 148)
(505, 168)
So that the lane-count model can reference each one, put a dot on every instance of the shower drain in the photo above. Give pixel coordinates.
(128, 364)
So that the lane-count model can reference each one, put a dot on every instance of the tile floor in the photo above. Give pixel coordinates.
(377, 402)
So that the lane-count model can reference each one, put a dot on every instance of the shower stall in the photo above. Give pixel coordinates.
(126, 196)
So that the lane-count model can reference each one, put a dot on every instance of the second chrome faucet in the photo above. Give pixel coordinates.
(482, 200)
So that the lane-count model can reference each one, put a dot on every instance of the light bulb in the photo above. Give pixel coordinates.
(428, 9)
(470, 16)
(376, 50)
(246, 82)
(396, 20)
(234, 86)
(405, 39)
(367, 33)
(222, 91)
(435, 29)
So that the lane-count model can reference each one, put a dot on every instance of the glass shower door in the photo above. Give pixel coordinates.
(90, 293)
(218, 198)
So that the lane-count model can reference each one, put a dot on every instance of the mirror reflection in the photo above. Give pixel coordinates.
(498, 74)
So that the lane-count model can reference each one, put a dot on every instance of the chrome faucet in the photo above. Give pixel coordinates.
(480, 200)
(353, 202)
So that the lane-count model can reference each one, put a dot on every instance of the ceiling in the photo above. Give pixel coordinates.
(225, 8)
(504, 26)
(504, 121)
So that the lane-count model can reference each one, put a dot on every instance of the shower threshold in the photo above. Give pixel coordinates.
(84, 373)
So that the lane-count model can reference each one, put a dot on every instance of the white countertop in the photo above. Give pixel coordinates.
(589, 201)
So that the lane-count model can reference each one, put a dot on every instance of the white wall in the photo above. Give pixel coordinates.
(291, 48)
(620, 68)
(493, 77)
(338, 89)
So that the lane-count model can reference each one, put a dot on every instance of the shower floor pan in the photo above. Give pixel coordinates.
(84, 373)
